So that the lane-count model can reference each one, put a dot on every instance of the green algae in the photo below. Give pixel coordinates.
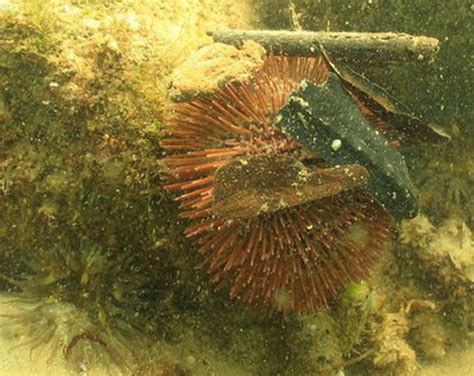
(86, 229)
(81, 109)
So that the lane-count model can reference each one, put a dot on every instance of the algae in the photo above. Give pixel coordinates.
(84, 221)
(91, 248)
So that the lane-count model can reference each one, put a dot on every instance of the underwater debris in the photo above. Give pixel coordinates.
(295, 259)
(247, 187)
(317, 115)
(383, 107)
(375, 47)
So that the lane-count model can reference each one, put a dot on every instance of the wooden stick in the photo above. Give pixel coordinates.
(376, 47)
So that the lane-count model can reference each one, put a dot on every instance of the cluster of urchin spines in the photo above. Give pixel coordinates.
(290, 253)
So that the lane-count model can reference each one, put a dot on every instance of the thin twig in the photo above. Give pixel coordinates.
(378, 47)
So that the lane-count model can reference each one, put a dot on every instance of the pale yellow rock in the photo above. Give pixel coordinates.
(452, 239)
(394, 356)
(211, 67)
(455, 238)
(416, 232)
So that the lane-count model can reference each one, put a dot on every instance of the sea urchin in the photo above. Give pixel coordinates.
(295, 257)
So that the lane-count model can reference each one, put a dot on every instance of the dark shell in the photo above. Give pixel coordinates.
(410, 128)
(248, 187)
(326, 120)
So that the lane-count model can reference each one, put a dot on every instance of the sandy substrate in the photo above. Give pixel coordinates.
(19, 356)
(456, 363)
(16, 362)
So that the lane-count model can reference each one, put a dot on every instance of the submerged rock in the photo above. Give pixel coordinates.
(446, 250)
(211, 67)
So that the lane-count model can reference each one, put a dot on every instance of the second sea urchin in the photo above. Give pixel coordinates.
(293, 257)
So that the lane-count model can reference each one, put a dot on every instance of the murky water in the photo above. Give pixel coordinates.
(178, 198)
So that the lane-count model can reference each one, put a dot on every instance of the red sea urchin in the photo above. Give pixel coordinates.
(294, 259)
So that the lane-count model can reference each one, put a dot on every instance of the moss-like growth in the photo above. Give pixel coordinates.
(422, 305)
(351, 314)
(91, 247)
(440, 260)
(394, 355)
(212, 67)
(428, 335)
(91, 244)
(326, 342)
(444, 174)
(315, 341)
